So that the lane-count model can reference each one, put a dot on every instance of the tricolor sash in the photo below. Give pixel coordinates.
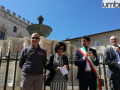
(90, 61)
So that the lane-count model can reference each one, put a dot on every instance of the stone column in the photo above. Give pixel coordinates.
(73, 51)
(2, 47)
(68, 48)
(41, 41)
(10, 44)
(18, 74)
(25, 43)
(53, 45)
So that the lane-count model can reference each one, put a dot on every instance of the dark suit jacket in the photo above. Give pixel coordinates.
(110, 59)
(51, 67)
(81, 63)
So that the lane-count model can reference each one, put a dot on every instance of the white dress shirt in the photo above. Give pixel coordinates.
(117, 55)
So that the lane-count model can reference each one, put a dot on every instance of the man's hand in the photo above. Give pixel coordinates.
(117, 49)
(91, 54)
(86, 55)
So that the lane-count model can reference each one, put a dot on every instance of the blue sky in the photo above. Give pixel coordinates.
(67, 18)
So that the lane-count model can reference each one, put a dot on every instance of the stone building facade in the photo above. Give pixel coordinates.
(12, 25)
(99, 41)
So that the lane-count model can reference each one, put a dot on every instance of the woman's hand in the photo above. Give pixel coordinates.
(65, 66)
(58, 68)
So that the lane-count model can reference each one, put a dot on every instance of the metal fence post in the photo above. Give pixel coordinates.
(105, 76)
(15, 71)
(6, 75)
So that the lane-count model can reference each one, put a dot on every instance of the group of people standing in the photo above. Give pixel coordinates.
(33, 60)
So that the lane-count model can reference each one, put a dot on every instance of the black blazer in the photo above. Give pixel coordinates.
(81, 63)
(51, 67)
(110, 59)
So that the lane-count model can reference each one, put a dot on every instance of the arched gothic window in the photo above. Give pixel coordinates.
(2, 32)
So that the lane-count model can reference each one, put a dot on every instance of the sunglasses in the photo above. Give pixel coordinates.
(61, 48)
(34, 38)
(113, 39)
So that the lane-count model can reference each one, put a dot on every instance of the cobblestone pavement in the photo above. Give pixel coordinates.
(70, 88)
(47, 88)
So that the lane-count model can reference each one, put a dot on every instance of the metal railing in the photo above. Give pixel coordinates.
(7, 68)
(8, 58)
(72, 81)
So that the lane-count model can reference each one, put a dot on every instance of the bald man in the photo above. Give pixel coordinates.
(32, 62)
(112, 59)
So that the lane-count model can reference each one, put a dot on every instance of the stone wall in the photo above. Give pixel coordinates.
(9, 20)
(102, 38)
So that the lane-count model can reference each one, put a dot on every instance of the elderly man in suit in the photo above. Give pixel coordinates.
(86, 74)
(112, 59)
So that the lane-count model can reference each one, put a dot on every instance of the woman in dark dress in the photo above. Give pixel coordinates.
(55, 62)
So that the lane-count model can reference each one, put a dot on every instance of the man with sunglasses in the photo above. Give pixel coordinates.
(32, 62)
(112, 59)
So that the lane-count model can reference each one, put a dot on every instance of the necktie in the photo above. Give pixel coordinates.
(119, 60)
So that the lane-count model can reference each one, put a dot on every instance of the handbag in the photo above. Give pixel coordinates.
(47, 83)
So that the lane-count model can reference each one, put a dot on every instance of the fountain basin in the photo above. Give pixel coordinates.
(42, 30)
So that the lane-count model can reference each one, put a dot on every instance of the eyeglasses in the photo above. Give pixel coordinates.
(113, 39)
(34, 38)
(61, 48)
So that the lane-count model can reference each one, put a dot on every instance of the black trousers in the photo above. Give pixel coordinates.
(115, 82)
(87, 81)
